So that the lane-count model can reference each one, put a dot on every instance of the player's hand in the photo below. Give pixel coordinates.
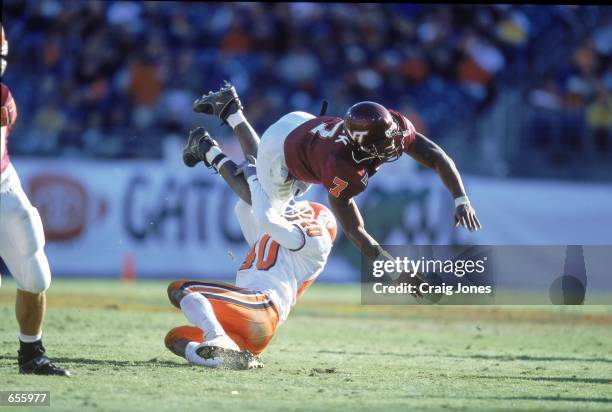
(247, 168)
(399, 277)
(417, 279)
(465, 216)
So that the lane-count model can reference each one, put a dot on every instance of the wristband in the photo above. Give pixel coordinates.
(217, 165)
(212, 154)
(462, 200)
(218, 161)
(235, 119)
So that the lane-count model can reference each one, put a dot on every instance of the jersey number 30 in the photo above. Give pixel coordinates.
(265, 259)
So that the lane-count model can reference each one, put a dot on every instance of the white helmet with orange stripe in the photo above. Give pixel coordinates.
(304, 211)
(4, 50)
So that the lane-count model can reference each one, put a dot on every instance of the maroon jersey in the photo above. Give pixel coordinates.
(320, 151)
(8, 117)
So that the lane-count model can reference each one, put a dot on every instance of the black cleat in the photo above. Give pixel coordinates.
(221, 103)
(40, 365)
(198, 144)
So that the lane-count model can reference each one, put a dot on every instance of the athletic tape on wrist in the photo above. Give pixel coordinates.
(212, 154)
(462, 200)
(221, 162)
(235, 119)
(218, 161)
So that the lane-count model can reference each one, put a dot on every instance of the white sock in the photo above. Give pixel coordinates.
(212, 153)
(198, 310)
(30, 338)
(235, 119)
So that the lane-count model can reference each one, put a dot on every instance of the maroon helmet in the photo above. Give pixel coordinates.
(372, 128)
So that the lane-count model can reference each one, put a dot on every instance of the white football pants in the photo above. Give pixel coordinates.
(21, 236)
(272, 169)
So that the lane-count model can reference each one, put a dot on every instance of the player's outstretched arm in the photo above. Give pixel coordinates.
(347, 212)
(244, 182)
(270, 220)
(431, 155)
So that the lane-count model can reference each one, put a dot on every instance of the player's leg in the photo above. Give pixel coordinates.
(248, 317)
(30, 311)
(21, 247)
(226, 105)
(184, 341)
(199, 311)
(272, 171)
(201, 147)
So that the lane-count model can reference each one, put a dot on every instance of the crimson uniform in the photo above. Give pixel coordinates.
(319, 151)
(8, 118)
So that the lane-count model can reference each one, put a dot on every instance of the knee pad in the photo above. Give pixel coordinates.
(34, 275)
(26, 258)
(28, 233)
(173, 291)
(187, 333)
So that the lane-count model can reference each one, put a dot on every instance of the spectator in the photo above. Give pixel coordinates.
(128, 68)
(599, 119)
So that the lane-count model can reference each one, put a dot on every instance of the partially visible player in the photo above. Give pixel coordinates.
(21, 247)
(288, 252)
(342, 154)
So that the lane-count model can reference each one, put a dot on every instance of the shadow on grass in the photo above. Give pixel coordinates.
(522, 398)
(531, 358)
(564, 379)
(103, 362)
(482, 357)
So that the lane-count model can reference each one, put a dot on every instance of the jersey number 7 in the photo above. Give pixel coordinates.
(340, 185)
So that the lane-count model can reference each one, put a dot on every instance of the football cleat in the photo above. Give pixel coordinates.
(221, 103)
(198, 144)
(40, 365)
(219, 357)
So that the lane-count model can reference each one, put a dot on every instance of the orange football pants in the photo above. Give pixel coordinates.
(248, 316)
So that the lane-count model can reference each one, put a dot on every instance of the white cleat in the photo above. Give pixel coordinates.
(222, 352)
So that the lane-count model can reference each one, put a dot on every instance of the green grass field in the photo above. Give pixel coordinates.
(332, 354)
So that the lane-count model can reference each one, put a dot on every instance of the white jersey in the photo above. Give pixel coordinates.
(280, 272)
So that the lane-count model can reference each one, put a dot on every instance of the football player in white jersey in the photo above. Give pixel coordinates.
(22, 243)
(288, 252)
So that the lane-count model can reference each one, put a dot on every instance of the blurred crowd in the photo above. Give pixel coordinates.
(576, 93)
(113, 79)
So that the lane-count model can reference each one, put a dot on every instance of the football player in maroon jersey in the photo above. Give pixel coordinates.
(21, 247)
(340, 153)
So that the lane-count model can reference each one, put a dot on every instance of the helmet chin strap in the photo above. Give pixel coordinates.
(363, 159)
(370, 156)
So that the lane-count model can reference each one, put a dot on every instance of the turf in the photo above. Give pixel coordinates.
(332, 354)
